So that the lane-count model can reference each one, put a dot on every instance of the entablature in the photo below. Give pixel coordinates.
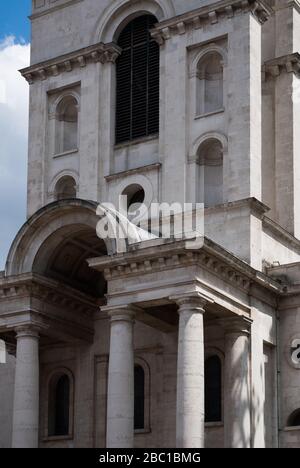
(159, 255)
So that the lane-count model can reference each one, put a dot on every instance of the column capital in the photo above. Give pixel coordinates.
(191, 300)
(28, 330)
(125, 313)
(236, 325)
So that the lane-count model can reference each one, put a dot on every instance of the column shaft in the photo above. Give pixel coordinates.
(237, 417)
(120, 406)
(26, 394)
(190, 375)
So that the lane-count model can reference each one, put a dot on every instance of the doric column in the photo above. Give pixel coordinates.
(120, 405)
(26, 396)
(190, 372)
(237, 418)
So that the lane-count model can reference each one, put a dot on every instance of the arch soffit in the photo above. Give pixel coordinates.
(46, 222)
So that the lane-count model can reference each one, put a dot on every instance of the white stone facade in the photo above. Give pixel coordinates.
(72, 307)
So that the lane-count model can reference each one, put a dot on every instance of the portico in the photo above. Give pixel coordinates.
(159, 286)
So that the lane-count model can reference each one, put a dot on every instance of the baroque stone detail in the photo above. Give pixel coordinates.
(103, 53)
(233, 271)
(210, 14)
(285, 64)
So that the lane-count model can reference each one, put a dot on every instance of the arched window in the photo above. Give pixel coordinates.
(294, 419)
(65, 188)
(67, 125)
(210, 84)
(211, 161)
(59, 405)
(137, 106)
(213, 389)
(139, 398)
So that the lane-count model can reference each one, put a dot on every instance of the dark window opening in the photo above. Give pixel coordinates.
(213, 389)
(137, 198)
(59, 407)
(137, 106)
(139, 398)
(294, 419)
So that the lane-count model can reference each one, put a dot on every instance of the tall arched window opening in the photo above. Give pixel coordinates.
(137, 96)
(59, 406)
(139, 398)
(67, 125)
(210, 84)
(213, 389)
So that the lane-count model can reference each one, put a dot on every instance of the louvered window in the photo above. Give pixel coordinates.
(137, 107)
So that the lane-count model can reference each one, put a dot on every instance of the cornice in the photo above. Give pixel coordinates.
(47, 290)
(164, 256)
(138, 170)
(103, 53)
(285, 64)
(212, 14)
(255, 206)
(281, 233)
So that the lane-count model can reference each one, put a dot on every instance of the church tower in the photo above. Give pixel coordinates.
(156, 343)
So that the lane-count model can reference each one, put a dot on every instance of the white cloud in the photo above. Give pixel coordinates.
(13, 141)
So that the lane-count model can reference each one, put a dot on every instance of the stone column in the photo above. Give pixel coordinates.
(120, 405)
(237, 392)
(190, 372)
(26, 396)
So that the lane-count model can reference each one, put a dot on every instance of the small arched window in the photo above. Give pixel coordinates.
(67, 125)
(294, 419)
(137, 96)
(65, 188)
(59, 405)
(211, 161)
(213, 389)
(210, 84)
(139, 398)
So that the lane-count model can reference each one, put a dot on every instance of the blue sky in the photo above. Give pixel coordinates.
(14, 54)
(13, 19)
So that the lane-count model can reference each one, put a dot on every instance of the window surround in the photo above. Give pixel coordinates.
(56, 179)
(194, 75)
(47, 438)
(54, 114)
(66, 153)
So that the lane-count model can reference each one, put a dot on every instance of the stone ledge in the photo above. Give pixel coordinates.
(138, 170)
(66, 63)
(210, 14)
